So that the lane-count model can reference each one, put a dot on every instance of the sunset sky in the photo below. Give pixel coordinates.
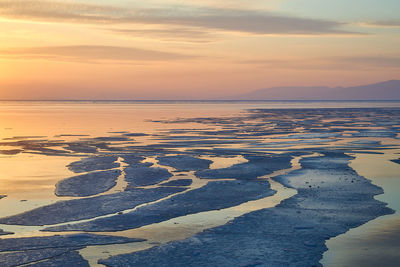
(186, 49)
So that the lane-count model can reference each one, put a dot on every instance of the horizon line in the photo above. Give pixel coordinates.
(181, 100)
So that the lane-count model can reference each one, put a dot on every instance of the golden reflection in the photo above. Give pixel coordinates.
(377, 242)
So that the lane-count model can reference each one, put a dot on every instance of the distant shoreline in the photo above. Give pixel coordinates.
(191, 100)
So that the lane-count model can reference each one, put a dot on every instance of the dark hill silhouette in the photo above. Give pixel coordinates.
(388, 90)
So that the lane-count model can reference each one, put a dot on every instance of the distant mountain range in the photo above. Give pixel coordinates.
(388, 90)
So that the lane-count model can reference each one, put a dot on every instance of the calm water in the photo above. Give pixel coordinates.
(376, 243)
(28, 179)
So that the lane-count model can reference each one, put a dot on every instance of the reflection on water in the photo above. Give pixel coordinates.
(224, 162)
(189, 225)
(28, 178)
(32, 177)
(69, 119)
(29, 181)
(376, 243)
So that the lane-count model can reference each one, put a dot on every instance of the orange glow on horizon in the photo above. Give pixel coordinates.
(221, 49)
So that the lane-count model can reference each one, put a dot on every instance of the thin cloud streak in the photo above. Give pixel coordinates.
(359, 62)
(382, 24)
(91, 54)
(375, 61)
(231, 20)
(174, 35)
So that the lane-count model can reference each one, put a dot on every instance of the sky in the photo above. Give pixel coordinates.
(187, 49)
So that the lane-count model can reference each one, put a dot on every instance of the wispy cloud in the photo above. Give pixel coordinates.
(46, 10)
(256, 23)
(91, 54)
(222, 19)
(170, 34)
(382, 24)
(371, 61)
(353, 62)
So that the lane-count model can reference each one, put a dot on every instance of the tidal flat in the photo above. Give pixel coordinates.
(197, 184)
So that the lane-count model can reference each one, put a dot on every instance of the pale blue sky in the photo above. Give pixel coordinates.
(349, 10)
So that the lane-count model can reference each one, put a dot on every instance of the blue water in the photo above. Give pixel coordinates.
(97, 118)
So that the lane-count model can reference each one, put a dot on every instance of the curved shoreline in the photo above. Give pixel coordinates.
(180, 228)
(376, 242)
(301, 223)
(331, 198)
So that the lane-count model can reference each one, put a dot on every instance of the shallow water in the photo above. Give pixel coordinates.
(376, 243)
(28, 178)
(186, 226)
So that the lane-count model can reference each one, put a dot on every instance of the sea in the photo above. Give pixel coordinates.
(28, 173)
